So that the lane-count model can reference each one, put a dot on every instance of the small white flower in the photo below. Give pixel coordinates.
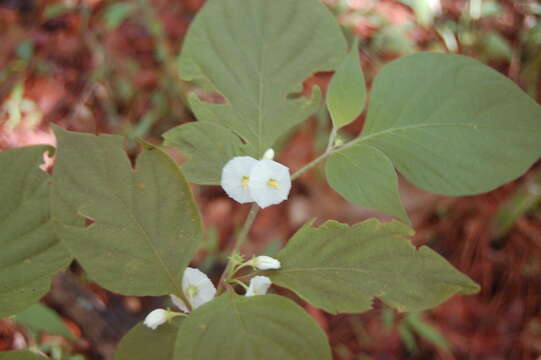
(236, 176)
(269, 154)
(266, 263)
(258, 286)
(197, 288)
(269, 183)
(156, 318)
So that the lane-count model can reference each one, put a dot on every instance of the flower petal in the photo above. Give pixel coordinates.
(235, 175)
(179, 303)
(197, 287)
(269, 183)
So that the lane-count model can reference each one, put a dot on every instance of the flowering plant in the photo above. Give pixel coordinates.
(447, 123)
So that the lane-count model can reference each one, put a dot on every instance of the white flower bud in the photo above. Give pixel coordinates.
(266, 263)
(197, 289)
(156, 318)
(236, 176)
(269, 154)
(269, 183)
(258, 286)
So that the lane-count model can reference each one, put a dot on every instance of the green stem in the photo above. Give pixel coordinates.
(332, 139)
(235, 281)
(243, 235)
(241, 239)
(310, 165)
(331, 147)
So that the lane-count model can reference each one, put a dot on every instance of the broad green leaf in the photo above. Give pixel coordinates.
(265, 327)
(451, 125)
(342, 268)
(210, 144)
(257, 53)
(146, 226)
(39, 317)
(20, 355)
(30, 253)
(347, 91)
(365, 176)
(143, 343)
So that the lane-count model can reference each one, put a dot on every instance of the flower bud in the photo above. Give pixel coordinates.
(266, 263)
(156, 318)
(258, 286)
(269, 154)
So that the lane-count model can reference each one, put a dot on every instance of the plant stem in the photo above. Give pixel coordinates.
(310, 165)
(243, 235)
(331, 146)
(241, 239)
(332, 138)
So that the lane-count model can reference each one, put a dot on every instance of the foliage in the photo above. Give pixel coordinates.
(31, 252)
(447, 123)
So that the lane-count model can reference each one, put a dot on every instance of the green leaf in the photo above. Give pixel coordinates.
(451, 125)
(347, 91)
(407, 337)
(393, 39)
(426, 331)
(264, 327)
(365, 176)
(31, 253)
(20, 355)
(495, 47)
(54, 10)
(40, 318)
(116, 13)
(525, 199)
(143, 343)
(210, 144)
(341, 268)
(257, 53)
(146, 226)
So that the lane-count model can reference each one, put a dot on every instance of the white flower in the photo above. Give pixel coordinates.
(235, 178)
(269, 183)
(197, 288)
(269, 154)
(258, 286)
(156, 318)
(266, 263)
(266, 182)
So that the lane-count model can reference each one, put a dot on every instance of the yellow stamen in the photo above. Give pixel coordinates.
(273, 184)
(244, 181)
(192, 290)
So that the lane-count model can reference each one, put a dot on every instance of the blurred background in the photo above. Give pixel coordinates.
(104, 66)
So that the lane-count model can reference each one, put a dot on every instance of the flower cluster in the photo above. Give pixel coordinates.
(198, 290)
(264, 181)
